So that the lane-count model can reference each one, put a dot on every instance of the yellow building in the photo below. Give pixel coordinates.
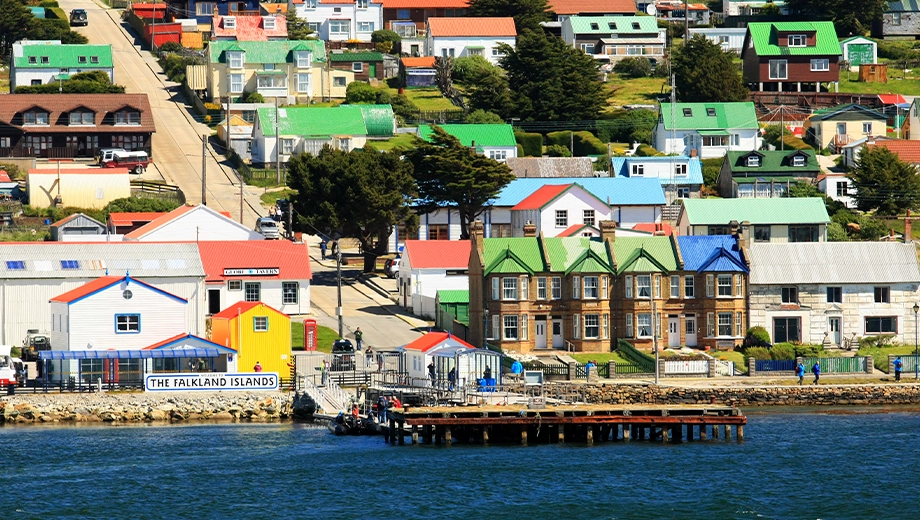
(836, 127)
(77, 187)
(258, 332)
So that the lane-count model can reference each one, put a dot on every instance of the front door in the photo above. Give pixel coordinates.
(213, 301)
(557, 334)
(833, 327)
(690, 330)
(372, 70)
(841, 129)
(673, 331)
(540, 327)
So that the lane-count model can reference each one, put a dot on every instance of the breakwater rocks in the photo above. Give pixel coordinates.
(145, 407)
(841, 395)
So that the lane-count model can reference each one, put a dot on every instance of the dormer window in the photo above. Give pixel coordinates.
(612, 26)
(711, 112)
(797, 40)
(361, 4)
(268, 23)
(230, 22)
(268, 66)
(798, 160)
(94, 59)
(35, 118)
(81, 118)
(635, 26)
(304, 59)
(594, 27)
(309, 4)
(688, 112)
(753, 161)
(46, 59)
(235, 59)
(81, 59)
(33, 59)
(127, 117)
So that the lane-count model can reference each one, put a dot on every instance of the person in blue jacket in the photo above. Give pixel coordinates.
(816, 370)
(898, 365)
(800, 372)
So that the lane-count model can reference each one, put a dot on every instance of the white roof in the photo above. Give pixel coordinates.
(141, 259)
(833, 263)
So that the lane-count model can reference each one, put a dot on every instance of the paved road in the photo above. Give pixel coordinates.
(177, 141)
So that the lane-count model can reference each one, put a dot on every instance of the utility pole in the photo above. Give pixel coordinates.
(277, 145)
(240, 176)
(572, 142)
(782, 128)
(338, 269)
(686, 22)
(651, 297)
(204, 170)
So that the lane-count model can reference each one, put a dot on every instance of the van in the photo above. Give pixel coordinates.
(104, 155)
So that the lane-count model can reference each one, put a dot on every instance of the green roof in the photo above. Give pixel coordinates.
(64, 56)
(453, 296)
(325, 122)
(848, 112)
(481, 134)
(695, 116)
(613, 24)
(719, 212)
(765, 36)
(565, 254)
(644, 254)
(266, 52)
(356, 56)
(378, 119)
(772, 162)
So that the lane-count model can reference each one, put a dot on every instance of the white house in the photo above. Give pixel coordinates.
(681, 177)
(802, 292)
(706, 130)
(730, 39)
(465, 36)
(781, 219)
(446, 353)
(39, 62)
(495, 141)
(750, 7)
(837, 186)
(193, 224)
(428, 266)
(341, 20)
(274, 272)
(559, 210)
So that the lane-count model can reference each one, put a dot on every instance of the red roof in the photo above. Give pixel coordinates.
(542, 196)
(891, 99)
(571, 230)
(470, 26)
(128, 218)
(907, 151)
(425, 4)
(292, 260)
(4, 177)
(435, 339)
(426, 62)
(592, 6)
(77, 171)
(241, 308)
(250, 28)
(104, 282)
(438, 254)
(653, 227)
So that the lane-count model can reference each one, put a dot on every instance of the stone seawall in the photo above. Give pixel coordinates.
(605, 393)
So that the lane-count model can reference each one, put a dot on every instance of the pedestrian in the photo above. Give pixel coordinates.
(517, 369)
(451, 377)
(431, 371)
(816, 370)
(326, 367)
(335, 248)
(358, 336)
(258, 367)
(487, 373)
(588, 367)
(382, 409)
(370, 357)
(898, 365)
(322, 249)
(800, 372)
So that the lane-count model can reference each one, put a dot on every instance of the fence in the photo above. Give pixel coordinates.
(640, 359)
(154, 190)
(686, 367)
(724, 368)
(774, 365)
(841, 365)
(908, 363)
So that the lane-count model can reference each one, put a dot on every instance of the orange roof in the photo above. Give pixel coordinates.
(907, 151)
(4, 177)
(469, 26)
(438, 254)
(77, 171)
(159, 221)
(292, 260)
(571, 230)
(592, 6)
(240, 308)
(128, 218)
(653, 227)
(425, 4)
(542, 196)
(435, 339)
(104, 282)
(423, 62)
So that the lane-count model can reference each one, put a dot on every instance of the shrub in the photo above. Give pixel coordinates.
(12, 170)
(484, 117)
(881, 341)
(252, 97)
(808, 350)
(404, 108)
(628, 127)
(645, 150)
(385, 35)
(360, 92)
(782, 351)
(468, 68)
(384, 97)
(171, 47)
(757, 337)
(758, 353)
(520, 151)
(584, 141)
(555, 150)
(634, 67)
(532, 143)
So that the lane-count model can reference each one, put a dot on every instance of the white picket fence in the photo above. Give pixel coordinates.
(724, 368)
(686, 367)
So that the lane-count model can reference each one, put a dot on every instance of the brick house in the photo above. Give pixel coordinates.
(784, 56)
(365, 65)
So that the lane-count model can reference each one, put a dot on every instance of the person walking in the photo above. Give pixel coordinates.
(322, 249)
(451, 377)
(258, 367)
(516, 370)
(800, 372)
(898, 365)
(431, 372)
(358, 337)
(816, 370)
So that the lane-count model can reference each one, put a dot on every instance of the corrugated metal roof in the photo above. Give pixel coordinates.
(472, 26)
(695, 116)
(541, 197)
(635, 254)
(592, 6)
(453, 296)
(614, 24)
(379, 120)
(482, 134)
(623, 166)
(848, 110)
(356, 56)
(701, 253)
(810, 210)
(438, 254)
(526, 250)
(140, 259)
(266, 52)
(61, 55)
(314, 122)
(773, 162)
(569, 254)
(833, 263)
(902, 6)
(291, 259)
(618, 191)
(766, 38)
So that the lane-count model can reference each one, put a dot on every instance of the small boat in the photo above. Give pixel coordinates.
(351, 425)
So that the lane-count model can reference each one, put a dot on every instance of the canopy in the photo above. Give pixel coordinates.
(132, 354)
(463, 351)
(712, 132)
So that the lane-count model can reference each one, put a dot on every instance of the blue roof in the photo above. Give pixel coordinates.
(619, 191)
(209, 352)
(622, 168)
(711, 253)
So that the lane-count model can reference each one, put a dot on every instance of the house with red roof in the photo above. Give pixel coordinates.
(409, 19)
(249, 28)
(192, 224)
(467, 36)
(441, 353)
(428, 266)
(122, 223)
(275, 272)
(555, 209)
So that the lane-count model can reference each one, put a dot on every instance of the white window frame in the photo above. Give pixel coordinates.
(522, 331)
(541, 288)
(236, 83)
(509, 288)
(710, 324)
(867, 128)
(605, 327)
(710, 285)
(739, 324)
(335, 28)
(304, 59)
(588, 217)
(510, 324)
(525, 288)
(638, 170)
(782, 69)
(129, 323)
(643, 321)
(675, 286)
(236, 59)
(556, 288)
(628, 286)
(562, 218)
(724, 326)
(496, 289)
(723, 284)
(365, 27)
(290, 293)
(576, 326)
(304, 83)
(800, 40)
(820, 65)
(592, 287)
(643, 284)
(495, 329)
(592, 321)
(576, 287)
(629, 325)
(605, 287)
(357, 66)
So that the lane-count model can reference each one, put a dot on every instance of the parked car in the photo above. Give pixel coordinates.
(104, 155)
(268, 228)
(391, 267)
(343, 355)
(78, 17)
(136, 162)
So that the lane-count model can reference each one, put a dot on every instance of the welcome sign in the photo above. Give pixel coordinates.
(215, 381)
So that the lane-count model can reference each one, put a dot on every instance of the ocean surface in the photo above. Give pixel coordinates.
(819, 464)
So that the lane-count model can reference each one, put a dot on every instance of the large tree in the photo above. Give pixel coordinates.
(360, 194)
(449, 174)
(706, 73)
(527, 14)
(850, 17)
(297, 27)
(551, 81)
(884, 182)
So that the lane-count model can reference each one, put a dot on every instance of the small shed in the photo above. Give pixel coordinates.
(259, 333)
(419, 72)
(76, 226)
(859, 50)
(874, 73)
(447, 353)
(455, 302)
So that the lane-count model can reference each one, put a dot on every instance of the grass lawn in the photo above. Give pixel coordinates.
(401, 141)
(731, 355)
(880, 355)
(636, 91)
(602, 358)
(324, 337)
(269, 198)
(910, 86)
(426, 99)
(898, 226)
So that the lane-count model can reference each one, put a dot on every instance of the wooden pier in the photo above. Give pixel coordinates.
(567, 423)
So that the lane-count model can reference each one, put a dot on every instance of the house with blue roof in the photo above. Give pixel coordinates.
(681, 177)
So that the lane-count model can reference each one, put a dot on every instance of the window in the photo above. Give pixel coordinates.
(127, 118)
(35, 118)
(229, 22)
(629, 325)
(576, 287)
(497, 53)
(339, 28)
(710, 324)
(835, 295)
(867, 128)
(821, 65)
(500, 231)
(303, 83)
(509, 289)
(438, 232)
(511, 327)
(562, 218)
(357, 67)
(252, 291)
(588, 217)
(314, 26)
(881, 325)
(628, 287)
(715, 140)
(638, 170)
(587, 48)
(81, 59)
(234, 285)
(289, 292)
(778, 69)
(541, 288)
(235, 59)
(557, 288)
(739, 285)
(70, 264)
(271, 81)
(688, 112)
(644, 325)
(128, 142)
(723, 40)
(843, 188)
(725, 324)
(882, 295)
(786, 330)
(447, 52)
(604, 292)
(680, 169)
(797, 40)
(591, 287)
(761, 233)
(525, 288)
(365, 27)
(268, 66)
(675, 287)
(339, 81)
(495, 288)
(895, 18)
(15, 265)
(268, 22)
(798, 161)
(81, 118)
(753, 161)
(498, 155)
(287, 146)
(656, 281)
(127, 323)
(304, 59)
(361, 4)
(402, 14)
(644, 284)
(236, 83)
(688, 287)
(204, 8)
(790, 295)
(260, 323)
(592, 326)
(710, 285)
(803, 233)
(725, 284)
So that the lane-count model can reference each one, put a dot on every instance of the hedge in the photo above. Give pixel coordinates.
(645, 150)
(520, 151)
(584, 141)
(530, 143)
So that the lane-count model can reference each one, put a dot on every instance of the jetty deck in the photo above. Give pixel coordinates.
(570, 422)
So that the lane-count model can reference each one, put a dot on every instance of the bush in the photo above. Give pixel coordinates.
(757, 337)
(782, 351)
(556, 150)
(520, 151)
(140, 205)
(171, 47)
(880, 341)
(759, 353)
(384, 97)
(532, 143)
(468, 68)
(12, 170)
(809, 350)
(584, 141)
(634, 67)
(628, 127)
(385, 35)
(484, 117)
(360, 92)
(252, 97)
(404, 108)
(645, 150)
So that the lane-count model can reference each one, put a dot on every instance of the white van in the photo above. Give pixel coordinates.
(7, 370)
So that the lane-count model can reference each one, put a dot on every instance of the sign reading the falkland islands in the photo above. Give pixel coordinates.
(211, 382)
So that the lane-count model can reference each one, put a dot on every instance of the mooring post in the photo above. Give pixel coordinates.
(485, 435)
(664, 434)
(561, 433)
(448, 437)
(626, 431)
(523, 435)
(589, 436)
(728, 432)
(401, 433)
(426, 433)
(414, 434)
(715, 431)
(702, 432)
(740, 432)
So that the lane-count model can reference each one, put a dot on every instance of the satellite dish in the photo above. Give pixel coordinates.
(650, 10)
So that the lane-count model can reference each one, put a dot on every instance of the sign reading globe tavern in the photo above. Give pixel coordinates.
(211, 382)
(261, 271)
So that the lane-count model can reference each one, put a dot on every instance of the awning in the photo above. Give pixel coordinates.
(712, 132)
(130, 354)
(271, 73)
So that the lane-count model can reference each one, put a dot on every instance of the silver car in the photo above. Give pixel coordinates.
(268, 228)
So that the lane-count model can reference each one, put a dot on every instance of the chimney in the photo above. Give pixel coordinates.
(476, 235)
(659, 230)
(908, 229)
(530, 229)
(733, 226)
(608, 230)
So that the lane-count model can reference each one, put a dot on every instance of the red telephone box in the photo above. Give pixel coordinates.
(309, 334)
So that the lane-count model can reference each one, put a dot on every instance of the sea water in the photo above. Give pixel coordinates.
(815, 464)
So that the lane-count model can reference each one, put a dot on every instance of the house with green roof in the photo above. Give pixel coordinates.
(791, 56)
(308, 129)
(765, 173)
(706, 130)
(765, 219)
(49, 61)
(494, 141)
(365, 64)
(292, 71)
(615, 37)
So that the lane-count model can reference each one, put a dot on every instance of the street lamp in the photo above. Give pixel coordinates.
(916, 343)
